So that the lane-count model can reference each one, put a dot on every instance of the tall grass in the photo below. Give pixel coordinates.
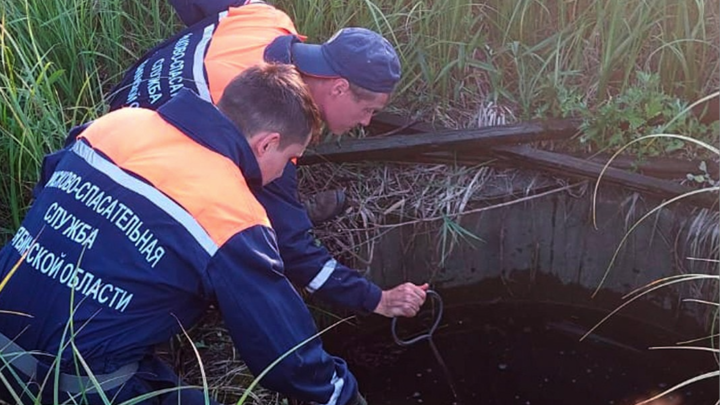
(520, 52)
(56, 60)
(59, 57)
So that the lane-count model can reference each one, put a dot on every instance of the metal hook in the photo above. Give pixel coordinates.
(428, 336)
(434, 295)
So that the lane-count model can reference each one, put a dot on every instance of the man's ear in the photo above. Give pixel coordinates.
(264, 142)
(339, 87)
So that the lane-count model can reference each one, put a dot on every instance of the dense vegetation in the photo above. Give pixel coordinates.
(625, 66)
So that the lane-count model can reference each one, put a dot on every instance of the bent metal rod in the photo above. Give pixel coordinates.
(428, 336)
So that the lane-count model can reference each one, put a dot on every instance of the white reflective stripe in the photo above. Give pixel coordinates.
(199, 60)
(199, 64)
(322, 276)
(149, 192)
(338, 383)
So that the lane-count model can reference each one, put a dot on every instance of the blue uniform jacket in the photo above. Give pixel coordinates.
(307, 264)
(136, 242)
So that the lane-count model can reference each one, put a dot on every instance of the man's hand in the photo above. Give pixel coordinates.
(403, 300)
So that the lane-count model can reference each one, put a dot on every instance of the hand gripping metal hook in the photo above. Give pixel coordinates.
(434, 295)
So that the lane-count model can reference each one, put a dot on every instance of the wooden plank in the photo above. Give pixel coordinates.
(658, 167)
(553, 162)
(662, 167)
(580, 168)
(392, 146)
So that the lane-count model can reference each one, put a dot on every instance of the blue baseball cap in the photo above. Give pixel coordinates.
(361, 56)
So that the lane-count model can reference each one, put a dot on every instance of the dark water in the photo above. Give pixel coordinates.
(523, 354)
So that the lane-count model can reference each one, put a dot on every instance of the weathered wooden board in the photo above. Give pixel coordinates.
(379, 148)
(429, 144)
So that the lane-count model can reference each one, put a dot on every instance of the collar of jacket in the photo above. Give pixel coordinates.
(279, 49)
(206, 125)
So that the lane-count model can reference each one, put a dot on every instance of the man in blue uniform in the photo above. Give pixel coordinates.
(350, 77)
(142, 222)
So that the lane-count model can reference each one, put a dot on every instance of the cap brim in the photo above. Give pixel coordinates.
(309, 59)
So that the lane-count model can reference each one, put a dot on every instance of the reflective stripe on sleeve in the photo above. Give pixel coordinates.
(322, 276)
(199, 60)
(338, 383)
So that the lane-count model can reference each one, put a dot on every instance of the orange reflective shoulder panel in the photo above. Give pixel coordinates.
(239, 42)
(206, 184)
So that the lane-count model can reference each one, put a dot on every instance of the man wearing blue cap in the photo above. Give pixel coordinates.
(350, 77)
(363, 65)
